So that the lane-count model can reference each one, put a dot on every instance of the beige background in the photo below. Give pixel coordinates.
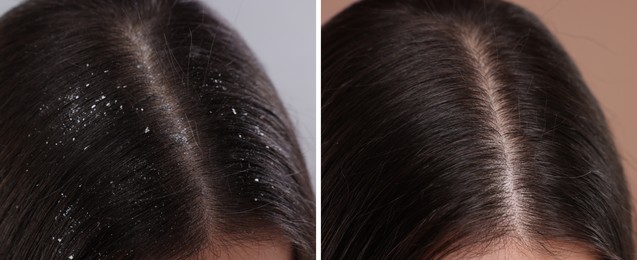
(601, 36)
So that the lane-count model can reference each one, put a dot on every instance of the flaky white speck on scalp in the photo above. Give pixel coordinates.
(175, 126)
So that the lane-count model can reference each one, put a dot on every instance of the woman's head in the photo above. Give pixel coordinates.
(461, 128)
(142, 129)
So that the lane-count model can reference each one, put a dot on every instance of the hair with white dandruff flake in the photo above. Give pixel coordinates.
(142, 130)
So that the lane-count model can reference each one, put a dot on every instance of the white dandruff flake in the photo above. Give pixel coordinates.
(59, 240)
(88, 84)
(256, 179)
(234, 111)
(146, 130)
(108, 104)
(93, 106)
(71, 257)
(103, 97)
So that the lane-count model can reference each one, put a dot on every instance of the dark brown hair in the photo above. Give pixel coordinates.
(140, 129)
(451, 124)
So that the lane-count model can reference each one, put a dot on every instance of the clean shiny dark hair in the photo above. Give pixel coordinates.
(461, 124)
(141, 129)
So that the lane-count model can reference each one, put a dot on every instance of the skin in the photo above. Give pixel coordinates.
(262, 250)
(555, 250)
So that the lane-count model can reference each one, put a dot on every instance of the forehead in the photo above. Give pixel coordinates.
(551, 250)
(251, 250)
